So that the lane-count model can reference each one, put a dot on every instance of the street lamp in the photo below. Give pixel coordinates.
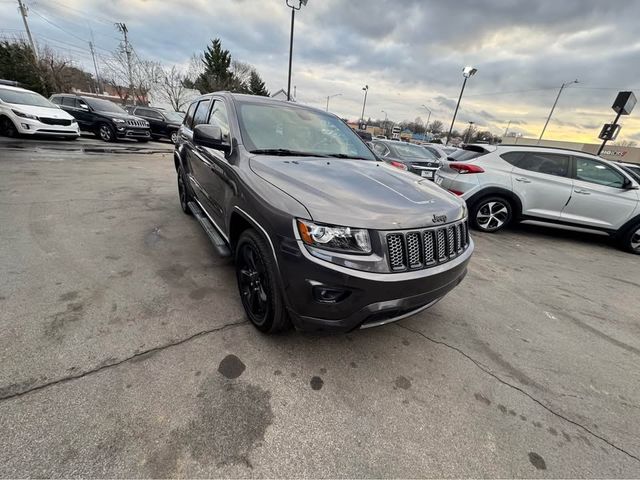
(428, 118)
(553, 107)
(467, 72)
(468, 136)
(385, 123)
(331, 96)
(366, 90)
(293, 17)
(506, 130)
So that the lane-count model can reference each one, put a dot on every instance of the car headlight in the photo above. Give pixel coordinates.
(118, 120)
(331, 237)
(25, 115)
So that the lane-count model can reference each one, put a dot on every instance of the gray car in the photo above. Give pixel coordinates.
(323, 235)
(407, 156)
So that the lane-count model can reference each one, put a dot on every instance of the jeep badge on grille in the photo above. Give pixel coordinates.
(439, 218)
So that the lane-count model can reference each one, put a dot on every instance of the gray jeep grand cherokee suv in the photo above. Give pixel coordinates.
(323, 234)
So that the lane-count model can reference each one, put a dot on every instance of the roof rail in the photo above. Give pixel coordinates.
(543, 146)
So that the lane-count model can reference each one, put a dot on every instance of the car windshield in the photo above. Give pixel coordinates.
(174, 116)
(413, 151)
(24, 98)
(282, 129)
(100, 105)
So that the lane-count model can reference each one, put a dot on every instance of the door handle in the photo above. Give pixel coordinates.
(523, 180)
(581, 191)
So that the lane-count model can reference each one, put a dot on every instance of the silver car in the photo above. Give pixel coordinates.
(502, 183)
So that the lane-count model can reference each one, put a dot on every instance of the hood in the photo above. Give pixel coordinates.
(45, 112)
(123, 116)
(359, 193)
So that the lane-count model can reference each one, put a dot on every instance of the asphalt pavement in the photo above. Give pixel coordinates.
(124, 350)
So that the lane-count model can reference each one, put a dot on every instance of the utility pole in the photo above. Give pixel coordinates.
(95, 66)
(23, 12)
(506, 130)
(127, 50)
(553, 108)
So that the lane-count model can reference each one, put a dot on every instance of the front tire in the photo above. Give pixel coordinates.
(630, 241)
(259, 285)
(173, 138)
(183, 192)
(7, 128)
(491, 214)
(106, 133)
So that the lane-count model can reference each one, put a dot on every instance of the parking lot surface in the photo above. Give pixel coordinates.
(124, 350)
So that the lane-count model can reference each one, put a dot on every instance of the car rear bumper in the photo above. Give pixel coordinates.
(464, 186)
(370, 299)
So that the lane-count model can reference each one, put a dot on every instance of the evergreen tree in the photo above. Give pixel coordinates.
(217, 74)
(256, 85)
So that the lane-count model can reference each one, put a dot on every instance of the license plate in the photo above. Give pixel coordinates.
(439, 180)
(427, 173)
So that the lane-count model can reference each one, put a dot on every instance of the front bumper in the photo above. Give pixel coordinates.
(373, 298)
(28, 126)
(128, 132)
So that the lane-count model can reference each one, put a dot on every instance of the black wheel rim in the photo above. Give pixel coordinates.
(174, 137)
(182, 192)
(254, 284)
(105, 133)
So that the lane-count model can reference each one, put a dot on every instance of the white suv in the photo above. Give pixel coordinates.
(501, 183)
(29, 113)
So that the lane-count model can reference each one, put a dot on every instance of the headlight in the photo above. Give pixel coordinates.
(118, 120)
(25, 115)
(344, 239)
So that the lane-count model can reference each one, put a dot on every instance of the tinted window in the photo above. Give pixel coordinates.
(56, 100)
(188, 119)
(145, 112)
(412, 151)
(68, 101)
(218, 117)
(463, 155)
(596, 172)
(201, 112)
(512, 157)
(100, 105)
(548, 163)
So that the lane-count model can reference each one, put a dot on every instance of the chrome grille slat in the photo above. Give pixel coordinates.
(411, 250)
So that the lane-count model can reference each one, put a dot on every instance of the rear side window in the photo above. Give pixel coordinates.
(68, 101)
(593, 171)
(56, 100)
(188, 119)
(542, 162)
(201, 112)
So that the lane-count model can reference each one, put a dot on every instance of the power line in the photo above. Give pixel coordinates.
(59, 27)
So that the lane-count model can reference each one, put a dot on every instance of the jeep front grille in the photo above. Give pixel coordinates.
(416, 249)
(136, 123)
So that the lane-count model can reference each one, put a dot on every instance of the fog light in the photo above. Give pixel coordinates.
(330, 294)
(26, 126)
(120, 128)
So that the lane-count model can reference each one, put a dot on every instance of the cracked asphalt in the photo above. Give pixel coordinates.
(124, 351)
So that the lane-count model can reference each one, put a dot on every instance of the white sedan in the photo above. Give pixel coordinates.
(23, 112)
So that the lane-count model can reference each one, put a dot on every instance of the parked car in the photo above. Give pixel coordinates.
(102, 117)
(407, 156)
(323, 234)
(439, 151)
(23, 112)
(163, 123)
(551, 185)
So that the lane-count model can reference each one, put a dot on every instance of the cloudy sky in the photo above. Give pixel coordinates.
(409, 52)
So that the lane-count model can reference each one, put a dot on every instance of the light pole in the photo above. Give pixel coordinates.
(331, 96)
(468, 135)
(364, 104)
(385, 123)
(466, 73)
(506, 130)
(553, 107)
(293, 17)
(428, 118)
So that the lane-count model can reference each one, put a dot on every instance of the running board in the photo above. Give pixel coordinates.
(219, 244)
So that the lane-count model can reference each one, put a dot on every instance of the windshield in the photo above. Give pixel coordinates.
(174, 116)
(24, 98)
(413, 151)
(282, 129)
(100, 105)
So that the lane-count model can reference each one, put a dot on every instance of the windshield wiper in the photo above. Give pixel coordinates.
(284, 152)
(344, 155)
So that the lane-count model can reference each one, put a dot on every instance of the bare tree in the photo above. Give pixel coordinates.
(171, 88)
(145, 74)
(624, 143)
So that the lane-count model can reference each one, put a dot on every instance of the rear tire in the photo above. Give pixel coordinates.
(259, 285)
(183, 192)
(491, 214)
(7, 128)
(630, 241)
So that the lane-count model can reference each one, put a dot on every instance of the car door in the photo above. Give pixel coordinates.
(84, 115)
(601, 197)
(199, 164)
(217, 179)
(542, 181)
(156, 121)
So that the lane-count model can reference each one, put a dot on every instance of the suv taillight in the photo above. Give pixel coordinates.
(466, 168)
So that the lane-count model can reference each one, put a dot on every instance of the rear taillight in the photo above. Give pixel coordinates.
(457, 192)
(399, 165)
(466, 168)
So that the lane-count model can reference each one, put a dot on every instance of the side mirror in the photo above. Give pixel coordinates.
(629, 185)
(84, 106)
(210, 136)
